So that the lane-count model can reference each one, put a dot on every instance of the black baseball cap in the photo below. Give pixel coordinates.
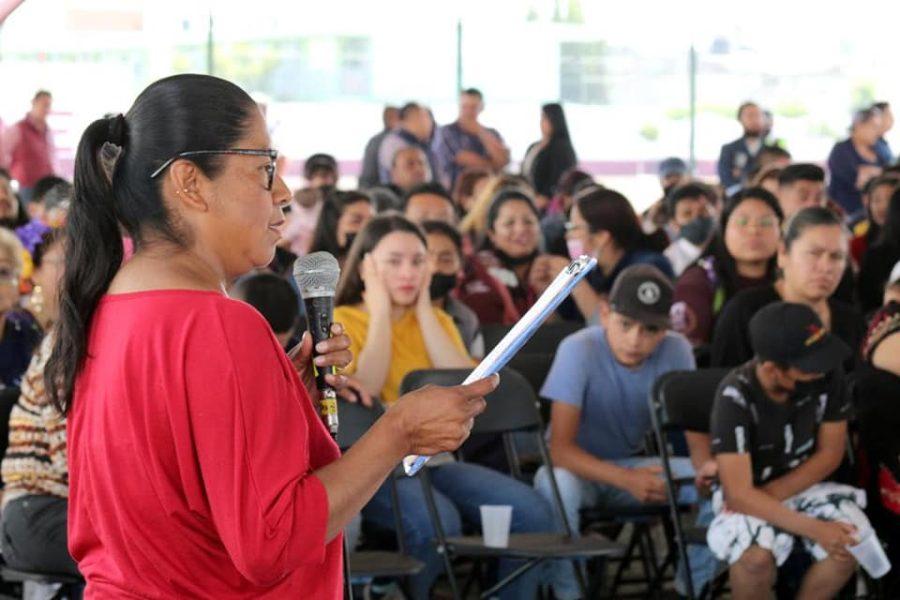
(793, 335)
(644, 294)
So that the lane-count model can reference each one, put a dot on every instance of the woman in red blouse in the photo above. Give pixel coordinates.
(198, 465)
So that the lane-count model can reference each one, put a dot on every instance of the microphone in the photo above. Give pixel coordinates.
(317, 276)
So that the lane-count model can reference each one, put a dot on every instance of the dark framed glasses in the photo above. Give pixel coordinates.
(270, 168)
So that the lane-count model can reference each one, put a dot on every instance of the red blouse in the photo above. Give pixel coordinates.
(192, 444)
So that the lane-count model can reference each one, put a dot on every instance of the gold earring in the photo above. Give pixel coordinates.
(37, 300)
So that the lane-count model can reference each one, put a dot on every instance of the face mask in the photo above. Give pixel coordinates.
(349, 237)
(698, 230)
(441, 285)
(576, 248)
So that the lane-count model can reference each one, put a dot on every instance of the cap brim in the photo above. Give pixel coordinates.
(647, 318)
(825, 357)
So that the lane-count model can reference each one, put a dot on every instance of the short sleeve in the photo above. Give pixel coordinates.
(730, 343)
(251, 436)
(679, 355)
(731, 421)
(452, 330)
(568, 377)
(356, 329)
(838, 406)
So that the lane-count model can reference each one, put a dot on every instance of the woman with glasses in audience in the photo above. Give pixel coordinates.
(35, 467)
(740, 256)
(384, 303)
(343, 216)
(812, 256)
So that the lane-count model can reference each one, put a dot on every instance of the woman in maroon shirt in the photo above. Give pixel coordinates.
(198, 466)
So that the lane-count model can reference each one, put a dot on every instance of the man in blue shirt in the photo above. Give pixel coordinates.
(466, 143)
(736, 158)
(414, 129)
(600, 383)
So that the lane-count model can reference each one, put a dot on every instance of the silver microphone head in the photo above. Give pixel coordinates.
(317, 274)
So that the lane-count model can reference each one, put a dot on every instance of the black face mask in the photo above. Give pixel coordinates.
(513, 262)
(349, 237)
(698, 230)
(441, 285)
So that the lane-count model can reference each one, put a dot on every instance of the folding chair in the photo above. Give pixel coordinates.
(511, 408)
(544, 341)
(355, 420)
(682, 401)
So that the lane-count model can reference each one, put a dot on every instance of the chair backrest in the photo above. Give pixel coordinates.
(546, 338)
(513, 406)
(683, 400)
(354, 419)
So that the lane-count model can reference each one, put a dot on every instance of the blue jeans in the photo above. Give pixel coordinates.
(459, 490)
(577, 493)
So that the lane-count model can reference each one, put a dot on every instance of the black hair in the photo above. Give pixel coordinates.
(173, 115)
(472, 92)
(882, 106)
(570, 181)
(48, 239)
(433, 188)
(811, 216)
(408, 108)
(442, 228)
(690, 190)
(319, 162)
(44, 185)
(5, 174)
(890, 231)
(608, 210)
(505, 196)
(351, 286)
(273, 297)
(744, 106)
(325, 234)
(41, 94)
(724, 264)
(801, 172)
(556, 116)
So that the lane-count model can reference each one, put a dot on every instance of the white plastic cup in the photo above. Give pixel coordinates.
(870, 554)
(495, 523)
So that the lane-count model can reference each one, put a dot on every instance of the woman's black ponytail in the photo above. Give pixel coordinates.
(94, 253)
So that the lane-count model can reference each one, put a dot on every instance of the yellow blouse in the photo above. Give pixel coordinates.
(408, 351)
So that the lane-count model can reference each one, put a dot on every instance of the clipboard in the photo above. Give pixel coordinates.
(521, 332)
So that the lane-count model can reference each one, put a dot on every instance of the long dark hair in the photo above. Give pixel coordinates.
(325, 236)
(608, 210)
(557, 118)
(113, 163)
(890, 232)
(351, 286)
(724, 264)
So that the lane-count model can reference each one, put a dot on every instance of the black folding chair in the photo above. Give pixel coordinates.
(511, 408)
(546, 338)
(355, 420)
(682, 401)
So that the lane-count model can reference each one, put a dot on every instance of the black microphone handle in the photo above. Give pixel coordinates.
(319, 317)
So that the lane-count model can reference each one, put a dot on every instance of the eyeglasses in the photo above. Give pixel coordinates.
(270, 168)
(761, 223)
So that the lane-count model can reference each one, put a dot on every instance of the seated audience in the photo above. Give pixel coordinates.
(673, 173)
(740, 256)
(343, 216)
(768, 158)
(429, 202)
(603, 224)
(800, 185)
(48, 258)
(35, 468)
(876, 199)
(507, 255)
(811, 256)
(553, 223)
(385, 307)
(414, 129)
(767, 179)
(35, 207)
(409, 169)
(12, 213)
(466, 143)
(779, 428)
(854, 161)
(474, 225)
(301, 217)
(468, 186)
(599, 384)
(445, 253)
(691, 207)
(368, 176)
(881, 257)
(21, 332)
(547, 159)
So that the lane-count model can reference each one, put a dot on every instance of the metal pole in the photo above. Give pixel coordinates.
(692, 76)
(210, 60)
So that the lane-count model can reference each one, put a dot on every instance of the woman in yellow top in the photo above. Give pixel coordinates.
(386, 310)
